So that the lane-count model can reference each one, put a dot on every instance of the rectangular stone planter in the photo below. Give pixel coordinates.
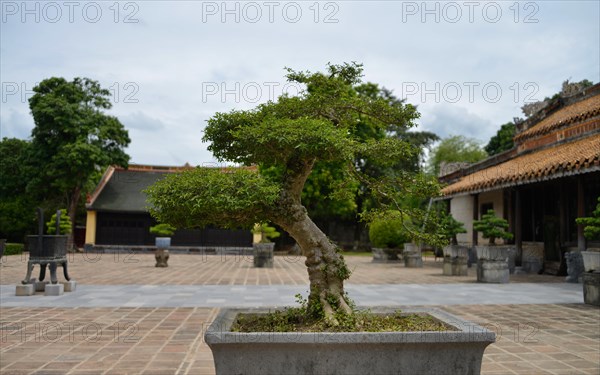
(493, 264)
(265, 353)
(591, 260)
(412, 256)
(263, 254)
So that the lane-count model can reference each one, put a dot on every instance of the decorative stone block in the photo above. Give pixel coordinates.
(69, 286)
(162, 258)
(413, 260)
(40, 286)
(591, 288)
(574, 266)
(25, 290)
(381, 255)
(263, 254)
(492, 271)
(54, 290)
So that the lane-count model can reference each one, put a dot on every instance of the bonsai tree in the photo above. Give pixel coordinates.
(64, 224)
(292, 134)
(492, 227)
(591, 231)
(267, 233)
(389, 233)
(452, 227)
(163, 230)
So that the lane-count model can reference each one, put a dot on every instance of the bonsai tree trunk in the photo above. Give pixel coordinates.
(326, 268)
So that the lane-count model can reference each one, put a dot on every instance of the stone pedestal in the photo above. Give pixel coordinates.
(162, 258)
(591, 288)
(69, 286)
(263, 254)
(25, 290)
(574, 266)
(591, 260)
(54, 290)
(413, 260)
(40, 286)
(456, 266)
(492, 271)
(385, 255)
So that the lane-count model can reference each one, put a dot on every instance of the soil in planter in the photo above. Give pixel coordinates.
(298, 320)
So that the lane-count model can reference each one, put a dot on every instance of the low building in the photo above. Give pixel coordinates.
(549, 178)
(117, 213)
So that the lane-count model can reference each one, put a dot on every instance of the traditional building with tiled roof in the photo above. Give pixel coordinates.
(550, 177)
(117, 214)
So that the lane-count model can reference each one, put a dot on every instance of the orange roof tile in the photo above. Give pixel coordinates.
(567, 158)
(575, 112)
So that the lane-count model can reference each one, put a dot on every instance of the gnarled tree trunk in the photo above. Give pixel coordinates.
(326, 267)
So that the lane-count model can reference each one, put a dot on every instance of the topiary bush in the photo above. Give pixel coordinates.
(13, 248)
(65, 223)
(591, 231)
(451, 227)
(389, 232)
(492, 227)
(163, 230)
(267, 233)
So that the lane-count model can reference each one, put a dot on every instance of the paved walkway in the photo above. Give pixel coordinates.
(282, 295)
(127, 317)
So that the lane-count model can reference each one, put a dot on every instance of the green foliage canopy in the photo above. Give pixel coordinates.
(452, 227)
(73, 137)
(391, 232)
(591, 231)
(502, 141)
(492, 227)
(164, 230)
(64, 223)
(456, 148)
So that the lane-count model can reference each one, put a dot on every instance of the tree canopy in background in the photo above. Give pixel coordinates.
(73, 138)
(457, 148)
(503, 140)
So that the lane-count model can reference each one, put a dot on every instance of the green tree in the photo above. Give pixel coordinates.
(502, 141)
(456, 148)
(73, 137)
(17, 208)
(492, 227)
(591, 229)
(294, 133)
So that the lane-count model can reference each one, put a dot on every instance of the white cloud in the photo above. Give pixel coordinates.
(166, 60)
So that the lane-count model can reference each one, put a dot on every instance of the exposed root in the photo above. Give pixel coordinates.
(328, 310)
(344, 306)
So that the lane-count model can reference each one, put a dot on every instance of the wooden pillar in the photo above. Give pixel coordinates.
(562, 214)
(475, 216)
(518, 227)
(580, 213)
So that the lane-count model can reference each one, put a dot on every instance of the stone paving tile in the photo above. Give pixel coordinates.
(126, 340)
(198, 269)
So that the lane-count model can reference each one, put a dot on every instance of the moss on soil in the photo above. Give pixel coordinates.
(295, 320)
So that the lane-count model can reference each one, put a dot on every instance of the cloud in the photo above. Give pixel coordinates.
(15, 124)
(140, 121)
(446, 120)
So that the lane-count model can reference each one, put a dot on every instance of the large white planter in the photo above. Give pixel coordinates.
(591, 260)
(264, 353)
(163, 242)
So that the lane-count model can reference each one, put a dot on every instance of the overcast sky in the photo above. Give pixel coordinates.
(468, 66)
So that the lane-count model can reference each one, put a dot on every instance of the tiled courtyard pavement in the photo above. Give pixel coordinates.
(532, 339)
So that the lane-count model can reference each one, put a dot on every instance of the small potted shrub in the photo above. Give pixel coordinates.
(455, 255)
(163, 242)
(591, 257)
(387, 235)
(264, 249)
(492, 259)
